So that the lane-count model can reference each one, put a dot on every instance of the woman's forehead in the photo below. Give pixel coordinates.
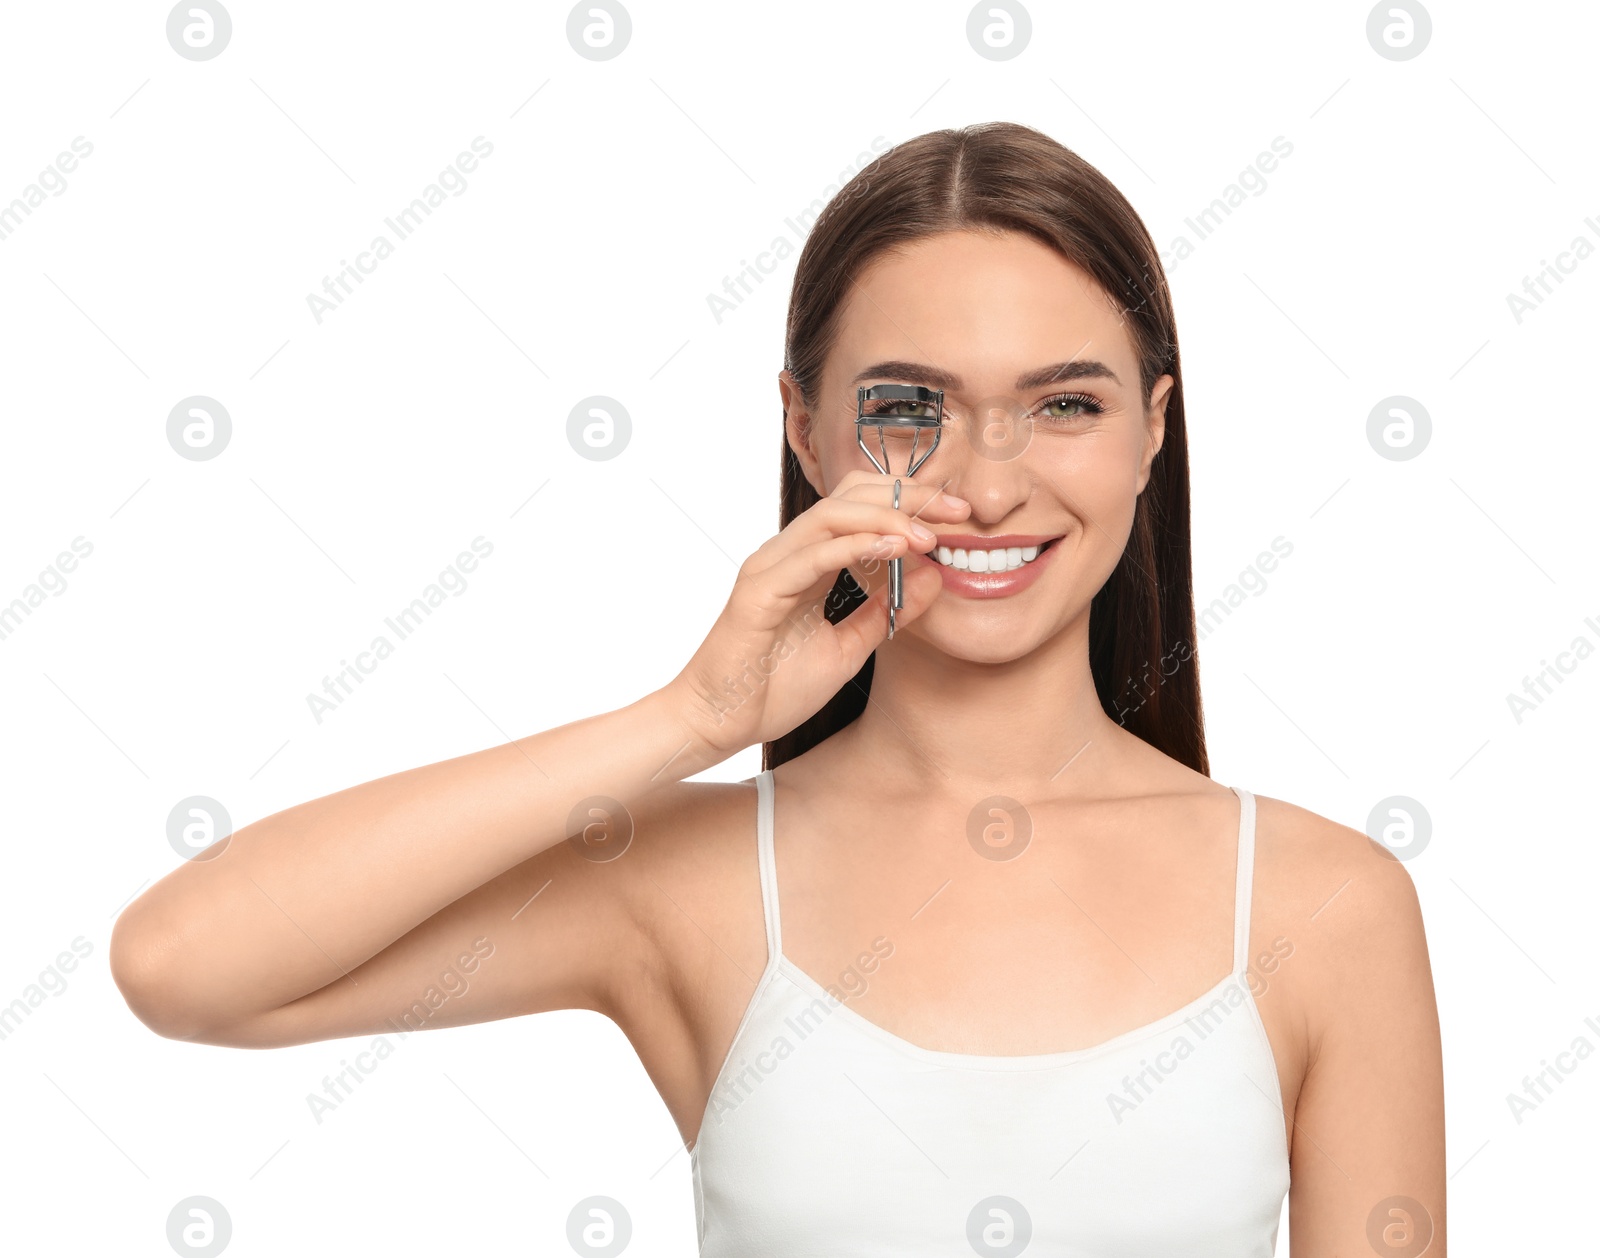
(983, 309)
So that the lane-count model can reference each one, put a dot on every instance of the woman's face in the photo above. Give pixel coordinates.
(1046, 434)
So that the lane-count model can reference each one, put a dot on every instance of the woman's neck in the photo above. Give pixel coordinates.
(985, 726)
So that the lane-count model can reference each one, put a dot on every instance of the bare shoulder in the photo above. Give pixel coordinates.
(1311, 862)
(1346, 905)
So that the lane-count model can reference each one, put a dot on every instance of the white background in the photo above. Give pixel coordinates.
(431, 406)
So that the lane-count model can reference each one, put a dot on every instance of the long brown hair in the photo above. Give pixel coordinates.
(1001, 176)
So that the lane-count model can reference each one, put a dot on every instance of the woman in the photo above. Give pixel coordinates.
(985, 961)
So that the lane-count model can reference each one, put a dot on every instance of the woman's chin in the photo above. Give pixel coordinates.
(978, 634)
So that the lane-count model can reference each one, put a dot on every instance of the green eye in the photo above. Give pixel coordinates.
(1084, 406)
(901, 408)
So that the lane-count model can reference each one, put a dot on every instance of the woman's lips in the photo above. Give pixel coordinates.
(968, 584)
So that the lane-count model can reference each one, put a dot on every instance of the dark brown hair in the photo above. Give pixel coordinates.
(1001, 176)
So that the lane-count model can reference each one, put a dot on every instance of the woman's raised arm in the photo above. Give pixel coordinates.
(327, 918)
(300, 901)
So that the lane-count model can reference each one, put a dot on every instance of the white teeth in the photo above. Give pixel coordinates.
(1003, 560)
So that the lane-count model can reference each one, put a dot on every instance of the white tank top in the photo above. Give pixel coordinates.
(826, 1136)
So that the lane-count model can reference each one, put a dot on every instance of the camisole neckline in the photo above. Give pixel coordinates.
(778, 962)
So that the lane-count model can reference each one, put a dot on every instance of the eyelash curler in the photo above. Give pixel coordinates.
(875, 408)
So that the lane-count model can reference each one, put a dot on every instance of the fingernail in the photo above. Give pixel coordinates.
(920, 533)
(950, 500)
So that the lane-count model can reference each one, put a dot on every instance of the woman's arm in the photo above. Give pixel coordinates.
(326, 918)
(1368, 1153)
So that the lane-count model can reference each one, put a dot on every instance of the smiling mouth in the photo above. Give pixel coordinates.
(999, 559)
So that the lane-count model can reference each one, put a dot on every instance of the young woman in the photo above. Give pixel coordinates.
(983, 960)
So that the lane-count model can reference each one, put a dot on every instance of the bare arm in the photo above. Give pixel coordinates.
(1369, 1142)
(327, 918)
(300, 901)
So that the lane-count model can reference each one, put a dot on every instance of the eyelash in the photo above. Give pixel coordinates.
(1090, 405)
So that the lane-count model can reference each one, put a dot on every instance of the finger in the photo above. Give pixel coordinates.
(872, 569)
(810, 570)
(872, 506)
(832, 518)
(865, 629)
(875, 486)
(918, 499)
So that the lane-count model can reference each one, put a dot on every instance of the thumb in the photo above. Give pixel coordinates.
(863, 630)
(922, 587)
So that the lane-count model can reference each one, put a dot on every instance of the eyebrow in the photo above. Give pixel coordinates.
(938, 378)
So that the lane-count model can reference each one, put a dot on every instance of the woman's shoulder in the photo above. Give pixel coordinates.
(1308, 861)
(1344, 903)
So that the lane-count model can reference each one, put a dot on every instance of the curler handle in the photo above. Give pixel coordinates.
(897, 598)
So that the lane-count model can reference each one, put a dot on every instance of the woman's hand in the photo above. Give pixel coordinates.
(772, 659)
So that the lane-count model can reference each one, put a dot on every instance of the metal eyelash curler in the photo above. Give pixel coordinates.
(877, 407)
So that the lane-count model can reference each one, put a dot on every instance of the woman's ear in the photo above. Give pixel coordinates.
(797, 429)
(1155, 426)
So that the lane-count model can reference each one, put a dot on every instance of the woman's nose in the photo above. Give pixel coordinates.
(980, 457)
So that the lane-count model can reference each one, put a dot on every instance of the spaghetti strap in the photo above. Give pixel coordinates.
(1243, 878)
(1192, 1151)
(769, 866)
